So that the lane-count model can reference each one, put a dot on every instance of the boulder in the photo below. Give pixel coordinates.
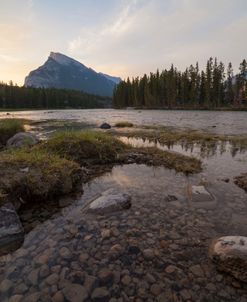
(110, 202)
(105, 126)
(22, 139)
(229, 253)
(11, 230)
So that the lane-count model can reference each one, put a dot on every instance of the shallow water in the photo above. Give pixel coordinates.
(222, 122)
(186, 227)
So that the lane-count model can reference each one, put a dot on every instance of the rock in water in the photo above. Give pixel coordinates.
(22, 139)
(105, 126)
(110, 202)
(230, 255)
(11, 230)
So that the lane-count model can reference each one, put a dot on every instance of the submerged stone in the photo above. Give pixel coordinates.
(22, 139)
(11, 230)
(229, 253)
(110, 202)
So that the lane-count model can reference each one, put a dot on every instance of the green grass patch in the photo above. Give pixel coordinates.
(85, 147)
(32, 174)
(171, 160)
(124, 124)
(8, 128)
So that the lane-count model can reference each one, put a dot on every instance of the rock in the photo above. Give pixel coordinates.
(5, 286)
(33, 276)
(170, 269)
(100, 294)
(148, 254)
(22, 139)
(52, 279)
(155, 289)
(105, 276)
(110, 202)
(75, 293)
(126, 280)
(229, 253)
(133, 250)
(185, 294)
(106, 233)
(65, 253)
(197, 270)
(11, 230)
(105, 126)
(199, 194)
(16, 298)
(58, 297)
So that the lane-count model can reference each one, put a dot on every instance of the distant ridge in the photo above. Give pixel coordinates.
(61, 71)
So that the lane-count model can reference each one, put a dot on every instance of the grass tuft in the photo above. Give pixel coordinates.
(124, 124)
(8, 128)
(85, 147)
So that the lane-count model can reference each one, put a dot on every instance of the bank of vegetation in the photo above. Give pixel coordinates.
(15, 97)
(212, 88)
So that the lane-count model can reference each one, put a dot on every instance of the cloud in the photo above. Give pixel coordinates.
(145, 35)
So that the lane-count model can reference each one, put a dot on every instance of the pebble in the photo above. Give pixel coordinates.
(15, 298)
(58, 297)
(65, 253)
(75, 293)
(100, 294)
(170, 269)
(197, 270)
(105, 234)
(148, 254)
(5, 285)
(52, 279)
(126, 280)
(155, 289)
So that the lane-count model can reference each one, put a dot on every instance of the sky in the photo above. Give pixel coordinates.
(120, 37)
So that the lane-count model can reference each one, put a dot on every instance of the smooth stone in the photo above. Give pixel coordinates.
(110, 202)
(75, 293)
(170, 269)
(105, 276)
(11, 230)
(199, 194)
(106, 233)
(65, 253)
(16, 298)
(197, 270)
(229, 253)
(22, 139)
(58, 297)
(100, 294)
(52, 279)
(155, 289)
(126, 280)
(33, 276)
(5, 285)
(148, 254)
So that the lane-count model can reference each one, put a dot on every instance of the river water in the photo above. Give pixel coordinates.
(222, 122)
(68, 247)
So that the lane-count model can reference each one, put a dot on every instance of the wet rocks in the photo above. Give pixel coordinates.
(241, 181)
(22, 139)
(11, 230)
(110, 202)
(105, 126)
(75, 293)
(199, 194)
(229, 253)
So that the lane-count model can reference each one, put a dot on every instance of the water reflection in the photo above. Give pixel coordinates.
(202, 150)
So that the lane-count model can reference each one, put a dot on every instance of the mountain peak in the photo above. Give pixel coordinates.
(63, 59)
(61, 71)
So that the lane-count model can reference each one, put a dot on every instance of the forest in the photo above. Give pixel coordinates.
(15, 97)
(212, 88)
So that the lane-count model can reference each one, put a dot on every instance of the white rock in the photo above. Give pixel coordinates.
(110, 202)
(230, 255)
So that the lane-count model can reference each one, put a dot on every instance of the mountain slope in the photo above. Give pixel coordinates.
(60, 71)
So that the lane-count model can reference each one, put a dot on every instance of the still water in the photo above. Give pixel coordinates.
(222, 122)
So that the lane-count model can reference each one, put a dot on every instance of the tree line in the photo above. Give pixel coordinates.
(214, 87)
(15, 97)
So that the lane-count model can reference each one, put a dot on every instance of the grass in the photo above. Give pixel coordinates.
(32, 174)
(124, 124)
(8, 128)
(168, 137)
(85, 147)
(171, 160)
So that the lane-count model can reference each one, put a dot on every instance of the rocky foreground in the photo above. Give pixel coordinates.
(157, 250)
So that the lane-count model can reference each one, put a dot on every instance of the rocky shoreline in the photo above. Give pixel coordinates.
(137, 244)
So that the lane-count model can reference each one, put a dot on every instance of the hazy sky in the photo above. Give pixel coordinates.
(120, 37)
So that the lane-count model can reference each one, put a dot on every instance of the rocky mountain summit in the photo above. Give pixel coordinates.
(60, 71)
